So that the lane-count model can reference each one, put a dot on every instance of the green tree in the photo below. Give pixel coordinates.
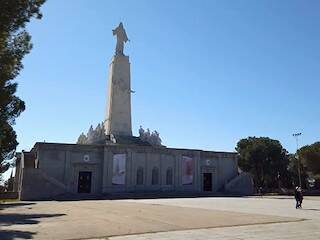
(310, 157)
(293, 172)
(15, 43)
(265, 159)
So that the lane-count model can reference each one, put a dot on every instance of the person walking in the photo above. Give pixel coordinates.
(300, 196)
(296, 196)
(260, 191)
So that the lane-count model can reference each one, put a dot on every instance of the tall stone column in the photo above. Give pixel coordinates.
(118, 119)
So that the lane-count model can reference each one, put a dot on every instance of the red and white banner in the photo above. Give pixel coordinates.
(187, 170)
(119, 169)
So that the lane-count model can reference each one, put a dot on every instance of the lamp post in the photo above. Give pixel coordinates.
(296, 136)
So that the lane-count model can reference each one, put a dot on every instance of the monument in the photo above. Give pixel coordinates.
(118, 119)
(110, 160)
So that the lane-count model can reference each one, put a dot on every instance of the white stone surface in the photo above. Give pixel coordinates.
(308, 229)
(118, 120)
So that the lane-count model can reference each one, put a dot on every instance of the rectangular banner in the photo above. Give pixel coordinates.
(119, 169)
(187, 170)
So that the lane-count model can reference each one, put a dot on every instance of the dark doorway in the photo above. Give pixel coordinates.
(84, 182)
(207, 182)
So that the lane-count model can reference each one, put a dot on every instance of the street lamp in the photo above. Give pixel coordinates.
(296, 136)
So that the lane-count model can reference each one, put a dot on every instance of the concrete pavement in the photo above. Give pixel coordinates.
(182, 218)
(279, 206)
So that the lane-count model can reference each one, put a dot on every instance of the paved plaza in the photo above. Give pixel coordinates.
(176, 218)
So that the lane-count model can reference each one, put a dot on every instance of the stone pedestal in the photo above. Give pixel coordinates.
(118, 119)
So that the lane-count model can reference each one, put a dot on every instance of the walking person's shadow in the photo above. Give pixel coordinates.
(311, 209)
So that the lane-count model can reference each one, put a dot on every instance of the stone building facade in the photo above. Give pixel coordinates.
(53, 170)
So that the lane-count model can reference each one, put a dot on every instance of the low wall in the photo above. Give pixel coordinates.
(9, 195)
(37, 186)
(242, 185)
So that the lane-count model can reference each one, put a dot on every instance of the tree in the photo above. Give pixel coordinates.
(310, 157)
(293, 172)
(265, 159)
(15, 43)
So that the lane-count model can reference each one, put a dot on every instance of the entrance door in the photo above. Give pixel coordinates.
(207, 182)
(84, 182)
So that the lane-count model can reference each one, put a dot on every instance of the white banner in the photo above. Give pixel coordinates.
(119, 169)
(187, 170)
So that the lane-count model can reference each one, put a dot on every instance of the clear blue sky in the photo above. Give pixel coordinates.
(206, 73)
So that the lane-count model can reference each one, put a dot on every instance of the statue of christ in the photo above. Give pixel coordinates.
(121, 38)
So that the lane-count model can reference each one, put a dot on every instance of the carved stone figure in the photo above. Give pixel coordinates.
(93, 136)
(121, 38)
(152, 138)
(82, 139)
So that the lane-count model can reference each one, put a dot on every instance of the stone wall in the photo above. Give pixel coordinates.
(240, 185)
(58, 167)
(64, 161)
(36, 185)
(8, 195)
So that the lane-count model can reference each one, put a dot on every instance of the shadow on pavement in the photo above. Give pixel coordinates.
(149, 195)
(12, 234)
(311, 209)
(8, 219)
(11, 205)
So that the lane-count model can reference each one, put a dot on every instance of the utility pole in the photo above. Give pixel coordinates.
(296, 136)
